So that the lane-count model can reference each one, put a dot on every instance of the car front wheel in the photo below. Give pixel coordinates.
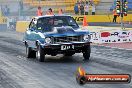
(40, 54)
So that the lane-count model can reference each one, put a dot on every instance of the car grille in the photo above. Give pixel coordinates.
(67, 39)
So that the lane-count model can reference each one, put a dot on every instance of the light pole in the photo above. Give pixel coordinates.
(122, 25)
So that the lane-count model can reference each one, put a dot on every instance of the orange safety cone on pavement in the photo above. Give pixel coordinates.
(85, 21)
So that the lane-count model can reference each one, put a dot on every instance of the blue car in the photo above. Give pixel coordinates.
(52, 35)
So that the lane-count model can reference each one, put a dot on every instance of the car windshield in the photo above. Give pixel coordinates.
(47, 23)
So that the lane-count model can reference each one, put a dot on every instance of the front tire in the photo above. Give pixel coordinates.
(30, 53)
(40, 54)
(86, 53)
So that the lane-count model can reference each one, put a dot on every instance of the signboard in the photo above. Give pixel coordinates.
(78, 18)
(3, 20)
(111, 37)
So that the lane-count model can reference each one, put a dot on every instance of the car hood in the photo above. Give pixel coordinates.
(62, 32)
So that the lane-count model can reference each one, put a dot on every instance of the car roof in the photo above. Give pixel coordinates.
(37, 17)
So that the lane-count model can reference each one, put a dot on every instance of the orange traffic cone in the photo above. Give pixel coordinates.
(85, 21)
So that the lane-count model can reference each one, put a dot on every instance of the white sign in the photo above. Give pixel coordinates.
(111, 37)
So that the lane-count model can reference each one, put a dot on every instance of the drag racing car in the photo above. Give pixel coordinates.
(54, 34)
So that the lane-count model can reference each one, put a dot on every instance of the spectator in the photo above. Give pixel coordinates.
(115, 15)
(82, 9)
(60, 11)
(93, 9)
(3, 10)
(6, 11)
(39, 11)
(76, 9)
(86, 9)
(50, 12)
(10, 22)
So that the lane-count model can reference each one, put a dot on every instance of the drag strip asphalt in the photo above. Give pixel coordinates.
(16, 71)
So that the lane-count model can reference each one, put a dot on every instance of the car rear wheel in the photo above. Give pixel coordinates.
(86, 53)
(40, 54)
(30, 53)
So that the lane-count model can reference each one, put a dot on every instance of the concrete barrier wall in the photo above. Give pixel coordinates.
(21, 26)
(102, 18)
(3, 27)
(3, 23)
(3, 20)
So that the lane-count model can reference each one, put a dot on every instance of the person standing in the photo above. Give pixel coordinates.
(60, 12)
(86, 8)
(76, 9)
(50, 12)
(115, 15)
(39, 11)
(93, 9)
(82, 9)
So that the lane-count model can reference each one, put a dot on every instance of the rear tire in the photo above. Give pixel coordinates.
(30, 53)
(86, 53)
(40, 54)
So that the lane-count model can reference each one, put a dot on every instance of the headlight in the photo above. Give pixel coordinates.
(48, 40)
(86, 37)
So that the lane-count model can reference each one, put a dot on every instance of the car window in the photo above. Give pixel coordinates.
(47, 23)
(71, 22)
(32, 25)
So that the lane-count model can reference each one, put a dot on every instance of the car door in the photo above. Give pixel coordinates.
(31, 33)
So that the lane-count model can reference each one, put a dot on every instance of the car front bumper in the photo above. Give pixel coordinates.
(76, 47)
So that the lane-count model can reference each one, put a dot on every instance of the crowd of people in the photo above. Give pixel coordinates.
(48, 12)
(5, 10)
(82, 7)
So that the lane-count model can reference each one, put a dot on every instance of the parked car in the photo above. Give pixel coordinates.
(52, 35)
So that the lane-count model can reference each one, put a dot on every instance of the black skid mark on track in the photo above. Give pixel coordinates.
(10, 50)
(6, 81)
(10, 40)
